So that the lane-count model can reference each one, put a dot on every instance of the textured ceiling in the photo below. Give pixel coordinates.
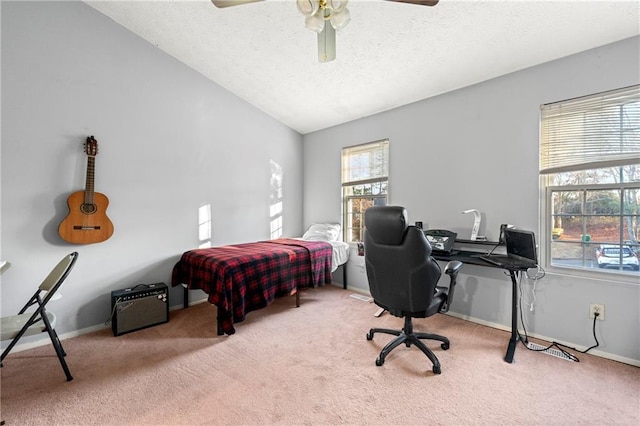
(389, 55)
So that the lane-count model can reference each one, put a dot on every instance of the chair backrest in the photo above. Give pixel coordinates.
(58, 274)
(401, 272)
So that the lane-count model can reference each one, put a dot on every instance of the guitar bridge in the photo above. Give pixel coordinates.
(86, 228)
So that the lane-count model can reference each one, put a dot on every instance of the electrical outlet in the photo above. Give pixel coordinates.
(595, 307)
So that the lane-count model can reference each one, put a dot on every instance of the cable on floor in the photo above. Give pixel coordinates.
(559, 346)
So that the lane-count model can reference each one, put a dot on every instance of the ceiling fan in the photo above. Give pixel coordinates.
(316, 12)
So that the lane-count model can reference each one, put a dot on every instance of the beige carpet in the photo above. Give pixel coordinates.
(310, 366)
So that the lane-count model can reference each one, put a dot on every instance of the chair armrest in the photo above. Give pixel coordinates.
(452, 268)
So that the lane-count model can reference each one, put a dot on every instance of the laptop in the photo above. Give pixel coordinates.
(521, 251)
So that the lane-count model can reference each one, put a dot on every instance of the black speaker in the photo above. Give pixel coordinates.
(139, 307)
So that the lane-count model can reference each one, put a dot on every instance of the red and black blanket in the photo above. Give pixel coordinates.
(241, 278)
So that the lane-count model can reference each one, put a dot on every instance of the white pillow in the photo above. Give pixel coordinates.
(322, 232)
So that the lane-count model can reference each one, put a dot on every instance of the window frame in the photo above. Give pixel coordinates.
(596, 107)
(549, 223)
(348, 186)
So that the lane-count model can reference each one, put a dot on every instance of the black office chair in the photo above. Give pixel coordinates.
(40, 320)
(403, 277)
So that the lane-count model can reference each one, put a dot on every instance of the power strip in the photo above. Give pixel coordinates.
(549, 351)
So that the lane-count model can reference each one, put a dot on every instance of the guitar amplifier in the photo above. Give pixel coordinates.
(139, 307)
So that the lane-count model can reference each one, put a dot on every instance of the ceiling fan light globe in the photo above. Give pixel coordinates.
(337, 5)
(314, 23)
(308, 7)
(340, 20)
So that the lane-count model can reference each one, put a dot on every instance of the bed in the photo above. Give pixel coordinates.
(241, 278)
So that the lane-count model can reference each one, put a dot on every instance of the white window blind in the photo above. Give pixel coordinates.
(591, 132)
(365, 163)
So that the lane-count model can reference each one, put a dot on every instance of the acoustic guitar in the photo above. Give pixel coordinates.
(87, 221)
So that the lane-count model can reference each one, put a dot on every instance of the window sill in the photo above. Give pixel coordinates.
(632, 278)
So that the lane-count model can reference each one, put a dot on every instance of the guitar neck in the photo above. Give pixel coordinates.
(90, 182)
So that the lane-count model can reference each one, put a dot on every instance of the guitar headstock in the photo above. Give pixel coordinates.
(91, 146)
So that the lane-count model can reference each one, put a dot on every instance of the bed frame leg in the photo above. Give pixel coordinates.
(297, 298)
(185, 299)
(219, 321)
(344, 276)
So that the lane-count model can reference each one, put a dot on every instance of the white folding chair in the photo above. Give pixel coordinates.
(41, 320)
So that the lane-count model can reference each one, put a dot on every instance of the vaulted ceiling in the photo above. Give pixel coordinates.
(390, 54)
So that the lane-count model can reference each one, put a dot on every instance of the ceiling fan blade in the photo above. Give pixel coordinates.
(419, 2)
(227, 3)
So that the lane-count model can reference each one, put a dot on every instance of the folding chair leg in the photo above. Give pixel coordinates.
(8, 348)
(56, 344)
(59, 343)
(58, 347)
(14, 341)
(61, 354)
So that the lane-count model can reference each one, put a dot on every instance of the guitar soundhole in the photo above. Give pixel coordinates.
(88, 208)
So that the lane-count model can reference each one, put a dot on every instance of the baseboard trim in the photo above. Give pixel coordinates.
(601, 354)
(46, 341)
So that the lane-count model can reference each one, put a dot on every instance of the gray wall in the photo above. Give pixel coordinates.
(169, 141)
(444, 150)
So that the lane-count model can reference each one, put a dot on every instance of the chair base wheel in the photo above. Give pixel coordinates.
(409, 339)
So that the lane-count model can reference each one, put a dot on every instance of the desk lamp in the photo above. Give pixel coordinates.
(476, 225)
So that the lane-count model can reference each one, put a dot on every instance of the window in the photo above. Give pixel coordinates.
(365, 178)
(590, 178)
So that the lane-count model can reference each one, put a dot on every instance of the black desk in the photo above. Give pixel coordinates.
(473, 258)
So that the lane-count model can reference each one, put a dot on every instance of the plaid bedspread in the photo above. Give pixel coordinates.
(241, 278)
